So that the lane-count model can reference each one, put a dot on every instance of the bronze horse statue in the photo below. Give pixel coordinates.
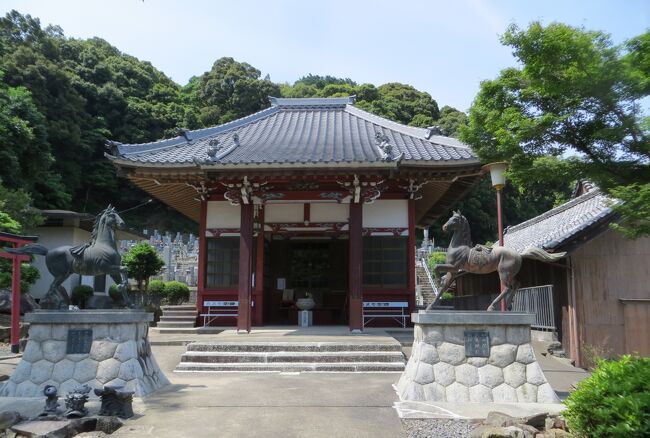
(97, 257)
(462, 256)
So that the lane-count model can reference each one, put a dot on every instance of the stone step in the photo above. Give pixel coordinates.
(180, 313)
(186, 331)
(175, 324)
(291, 346)
(173, 318)
(291, 367)
(180, 307)
(293, 357)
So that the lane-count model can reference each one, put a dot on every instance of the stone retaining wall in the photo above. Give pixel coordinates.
(120, 354)
(438, 369)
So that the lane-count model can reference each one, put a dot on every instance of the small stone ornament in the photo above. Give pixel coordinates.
(115, 401)
(51, 401)
(75, 401)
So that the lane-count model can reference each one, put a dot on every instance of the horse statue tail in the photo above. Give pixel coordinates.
(535, 253)
(34, 248)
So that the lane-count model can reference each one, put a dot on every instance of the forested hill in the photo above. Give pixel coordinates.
(61, 98)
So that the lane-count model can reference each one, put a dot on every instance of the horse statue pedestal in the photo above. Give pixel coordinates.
(95, 347)
(473, 356)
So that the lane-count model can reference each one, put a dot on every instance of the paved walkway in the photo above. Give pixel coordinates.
(284, 334)
(274, 404)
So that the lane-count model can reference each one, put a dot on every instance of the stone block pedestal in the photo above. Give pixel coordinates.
(498, 364)
(96, 347)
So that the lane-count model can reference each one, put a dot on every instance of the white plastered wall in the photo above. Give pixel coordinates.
(281, 213)
(386, 213)
(220, 214)
(329, 212)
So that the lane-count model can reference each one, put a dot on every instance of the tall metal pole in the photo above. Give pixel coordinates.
(15, 306)
(500, 227)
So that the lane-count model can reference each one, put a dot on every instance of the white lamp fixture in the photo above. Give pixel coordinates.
(497, 173)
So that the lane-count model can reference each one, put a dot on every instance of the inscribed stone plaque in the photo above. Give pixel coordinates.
(477, 343)
(79, 341)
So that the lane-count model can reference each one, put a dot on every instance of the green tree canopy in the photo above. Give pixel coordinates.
(142, 262)
(230, 90)
(574, 92)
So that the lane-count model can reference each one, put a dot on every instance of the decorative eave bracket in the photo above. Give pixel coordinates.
(245, 192)
(362, 191)
(413, 188)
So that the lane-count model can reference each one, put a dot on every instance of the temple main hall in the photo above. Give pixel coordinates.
(309, 198)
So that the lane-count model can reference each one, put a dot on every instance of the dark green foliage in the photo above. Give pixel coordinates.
(60, 99)
(176, 292)
(81, 294)
(28, 275)
(437, 258)
(450, 121)
(395, 101)
(613, 402)
(230, 90)
(156, 287)
(142, 261)
(574, 92)
(115, 294)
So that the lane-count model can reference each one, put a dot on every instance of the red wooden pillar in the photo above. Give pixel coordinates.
(258, 310)
(200, 283)
(356, 268)
(15, 306)
(245, 267)
(411, 254)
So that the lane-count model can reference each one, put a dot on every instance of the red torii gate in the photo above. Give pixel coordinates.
(17, 241)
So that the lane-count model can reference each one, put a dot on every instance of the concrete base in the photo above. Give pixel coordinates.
(119, 353)
(472, 411)
(439, 370)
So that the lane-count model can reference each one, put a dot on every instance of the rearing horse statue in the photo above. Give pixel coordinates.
(97, 257)
(479, 259)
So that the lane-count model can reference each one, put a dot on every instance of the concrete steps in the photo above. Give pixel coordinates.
(428, 295)
(292, 357)
(179, 317)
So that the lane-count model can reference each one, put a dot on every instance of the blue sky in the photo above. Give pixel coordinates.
(444, 48)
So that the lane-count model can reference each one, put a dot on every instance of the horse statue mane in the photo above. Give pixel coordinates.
(78, 250)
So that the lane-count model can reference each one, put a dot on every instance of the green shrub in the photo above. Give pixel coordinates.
(115, 294)
(436, 258)
(156, 287)
(614, 401)
(176, 292)
(81, 294)
(446, 295)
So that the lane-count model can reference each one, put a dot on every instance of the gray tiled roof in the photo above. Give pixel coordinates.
(551, 229)
(302, 131)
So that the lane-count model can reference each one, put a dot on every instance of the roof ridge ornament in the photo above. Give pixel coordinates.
(386, 149)
(185, 133)
(113, 147)
(213, 148)
(433, 130)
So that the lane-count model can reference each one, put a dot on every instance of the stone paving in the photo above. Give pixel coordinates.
(275, 404)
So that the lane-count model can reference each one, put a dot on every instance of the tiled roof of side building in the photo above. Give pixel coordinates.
(559, 225)
(301, 131)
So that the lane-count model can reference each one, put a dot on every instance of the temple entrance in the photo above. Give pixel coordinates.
(306, 268)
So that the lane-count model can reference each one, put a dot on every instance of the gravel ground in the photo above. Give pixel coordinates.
(5, 349)
(436, 428)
